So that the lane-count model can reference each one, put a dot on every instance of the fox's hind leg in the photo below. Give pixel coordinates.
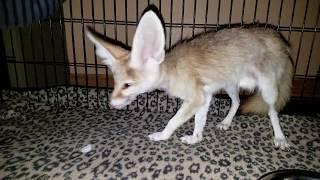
(200, 121)
(269, 92)
(233, 93)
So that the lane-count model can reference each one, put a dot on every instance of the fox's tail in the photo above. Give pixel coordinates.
(255, 104)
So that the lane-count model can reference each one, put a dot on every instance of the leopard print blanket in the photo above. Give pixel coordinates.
(44, 132)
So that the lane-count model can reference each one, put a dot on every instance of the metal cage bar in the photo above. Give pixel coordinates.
(310, 55)
(74, 52)
(84, 51)
(95, 57)
(63, 44)
(185, 25)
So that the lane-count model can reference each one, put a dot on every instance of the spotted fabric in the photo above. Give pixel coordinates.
(43, 132)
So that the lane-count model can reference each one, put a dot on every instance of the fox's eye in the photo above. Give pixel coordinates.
(126, 85)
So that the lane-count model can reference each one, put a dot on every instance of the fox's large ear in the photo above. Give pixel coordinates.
(108, 52)
(148, 42)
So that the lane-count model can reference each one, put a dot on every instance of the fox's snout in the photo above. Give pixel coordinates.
(117, 103)
(119, 100)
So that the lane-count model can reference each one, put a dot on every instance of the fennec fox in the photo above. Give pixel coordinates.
(230, 59)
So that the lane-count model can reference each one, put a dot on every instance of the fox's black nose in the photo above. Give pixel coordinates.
(111, 106)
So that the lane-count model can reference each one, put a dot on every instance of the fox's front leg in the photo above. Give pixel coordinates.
(199, 122)
(187, 110)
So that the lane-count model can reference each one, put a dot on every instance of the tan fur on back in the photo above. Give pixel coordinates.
(224, 57)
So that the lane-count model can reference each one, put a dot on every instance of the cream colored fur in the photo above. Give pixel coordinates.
(230, 59)
(256, 105)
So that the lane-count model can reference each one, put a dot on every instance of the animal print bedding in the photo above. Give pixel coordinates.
(43, 133)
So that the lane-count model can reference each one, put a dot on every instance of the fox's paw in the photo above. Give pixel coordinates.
(281, 143)
(158, 136)
(191, 139)
(222, 126)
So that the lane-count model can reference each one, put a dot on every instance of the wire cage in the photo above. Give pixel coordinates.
(45, 47)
